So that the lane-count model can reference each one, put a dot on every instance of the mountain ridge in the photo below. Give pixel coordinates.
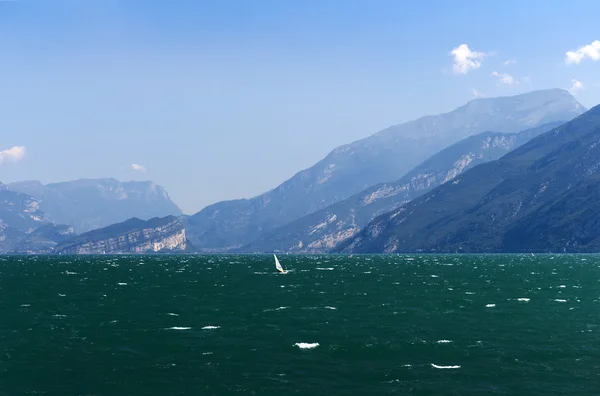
(521, 202)
(158, 234)
(321, 230)
(382, 157)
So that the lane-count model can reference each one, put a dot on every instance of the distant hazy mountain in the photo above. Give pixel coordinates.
(166, 234)
(24, 227)
(541, 197)
(383, 157)
(87, 204)
(322, 230)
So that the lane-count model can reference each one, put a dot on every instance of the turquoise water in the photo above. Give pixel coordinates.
(224, 325)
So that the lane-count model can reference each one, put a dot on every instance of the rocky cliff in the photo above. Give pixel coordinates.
(383, 157)
(165, 234)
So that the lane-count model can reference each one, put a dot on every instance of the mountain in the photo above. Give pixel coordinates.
(322, 230)
(541, 197)
(20, 211)
(24, 227)
(88, 204)
(166, 234)
(382, 157)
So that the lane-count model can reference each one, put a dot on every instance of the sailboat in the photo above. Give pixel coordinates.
(278, 266)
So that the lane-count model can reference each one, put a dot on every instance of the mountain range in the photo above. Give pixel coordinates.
(363, 197)
(88, 204)
(383, 157)
(321, 231)
(541, 197)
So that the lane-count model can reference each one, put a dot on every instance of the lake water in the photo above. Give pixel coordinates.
(366, 325)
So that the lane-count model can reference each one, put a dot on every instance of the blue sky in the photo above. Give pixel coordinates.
(226, 99)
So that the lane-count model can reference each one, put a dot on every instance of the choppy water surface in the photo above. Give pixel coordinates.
(366, 325)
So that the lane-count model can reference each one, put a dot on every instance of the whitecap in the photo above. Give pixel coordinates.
(122, 284)
(560, 300)
(328, 307)
(306, 345)
(490, 305)
(178, 328)
(523, 299)
(444, 367)
(172, 314)
(210, 327)
(444, 341)
(324, 269)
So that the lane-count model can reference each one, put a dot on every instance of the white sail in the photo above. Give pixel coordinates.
(277, 265)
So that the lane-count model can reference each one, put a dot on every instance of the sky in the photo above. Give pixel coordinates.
(218, 100)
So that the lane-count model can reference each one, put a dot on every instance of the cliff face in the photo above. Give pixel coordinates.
(165, 234)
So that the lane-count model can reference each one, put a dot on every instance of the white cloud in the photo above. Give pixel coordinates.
(12, 154)
(510, 62)
(505, 78)
(138, 167)
(465, 59)
(577, 86)
(591, 51)
(477, 94)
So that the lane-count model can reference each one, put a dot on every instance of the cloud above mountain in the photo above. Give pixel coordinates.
(575, 87)
(505, 78)
(12, 154)
(466, 60)
(138, 167)
(589, 51)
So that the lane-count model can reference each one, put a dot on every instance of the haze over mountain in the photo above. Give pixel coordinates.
(88, 204)
(541, 197)
(383, 157)
(321, 231)
(23, 226)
